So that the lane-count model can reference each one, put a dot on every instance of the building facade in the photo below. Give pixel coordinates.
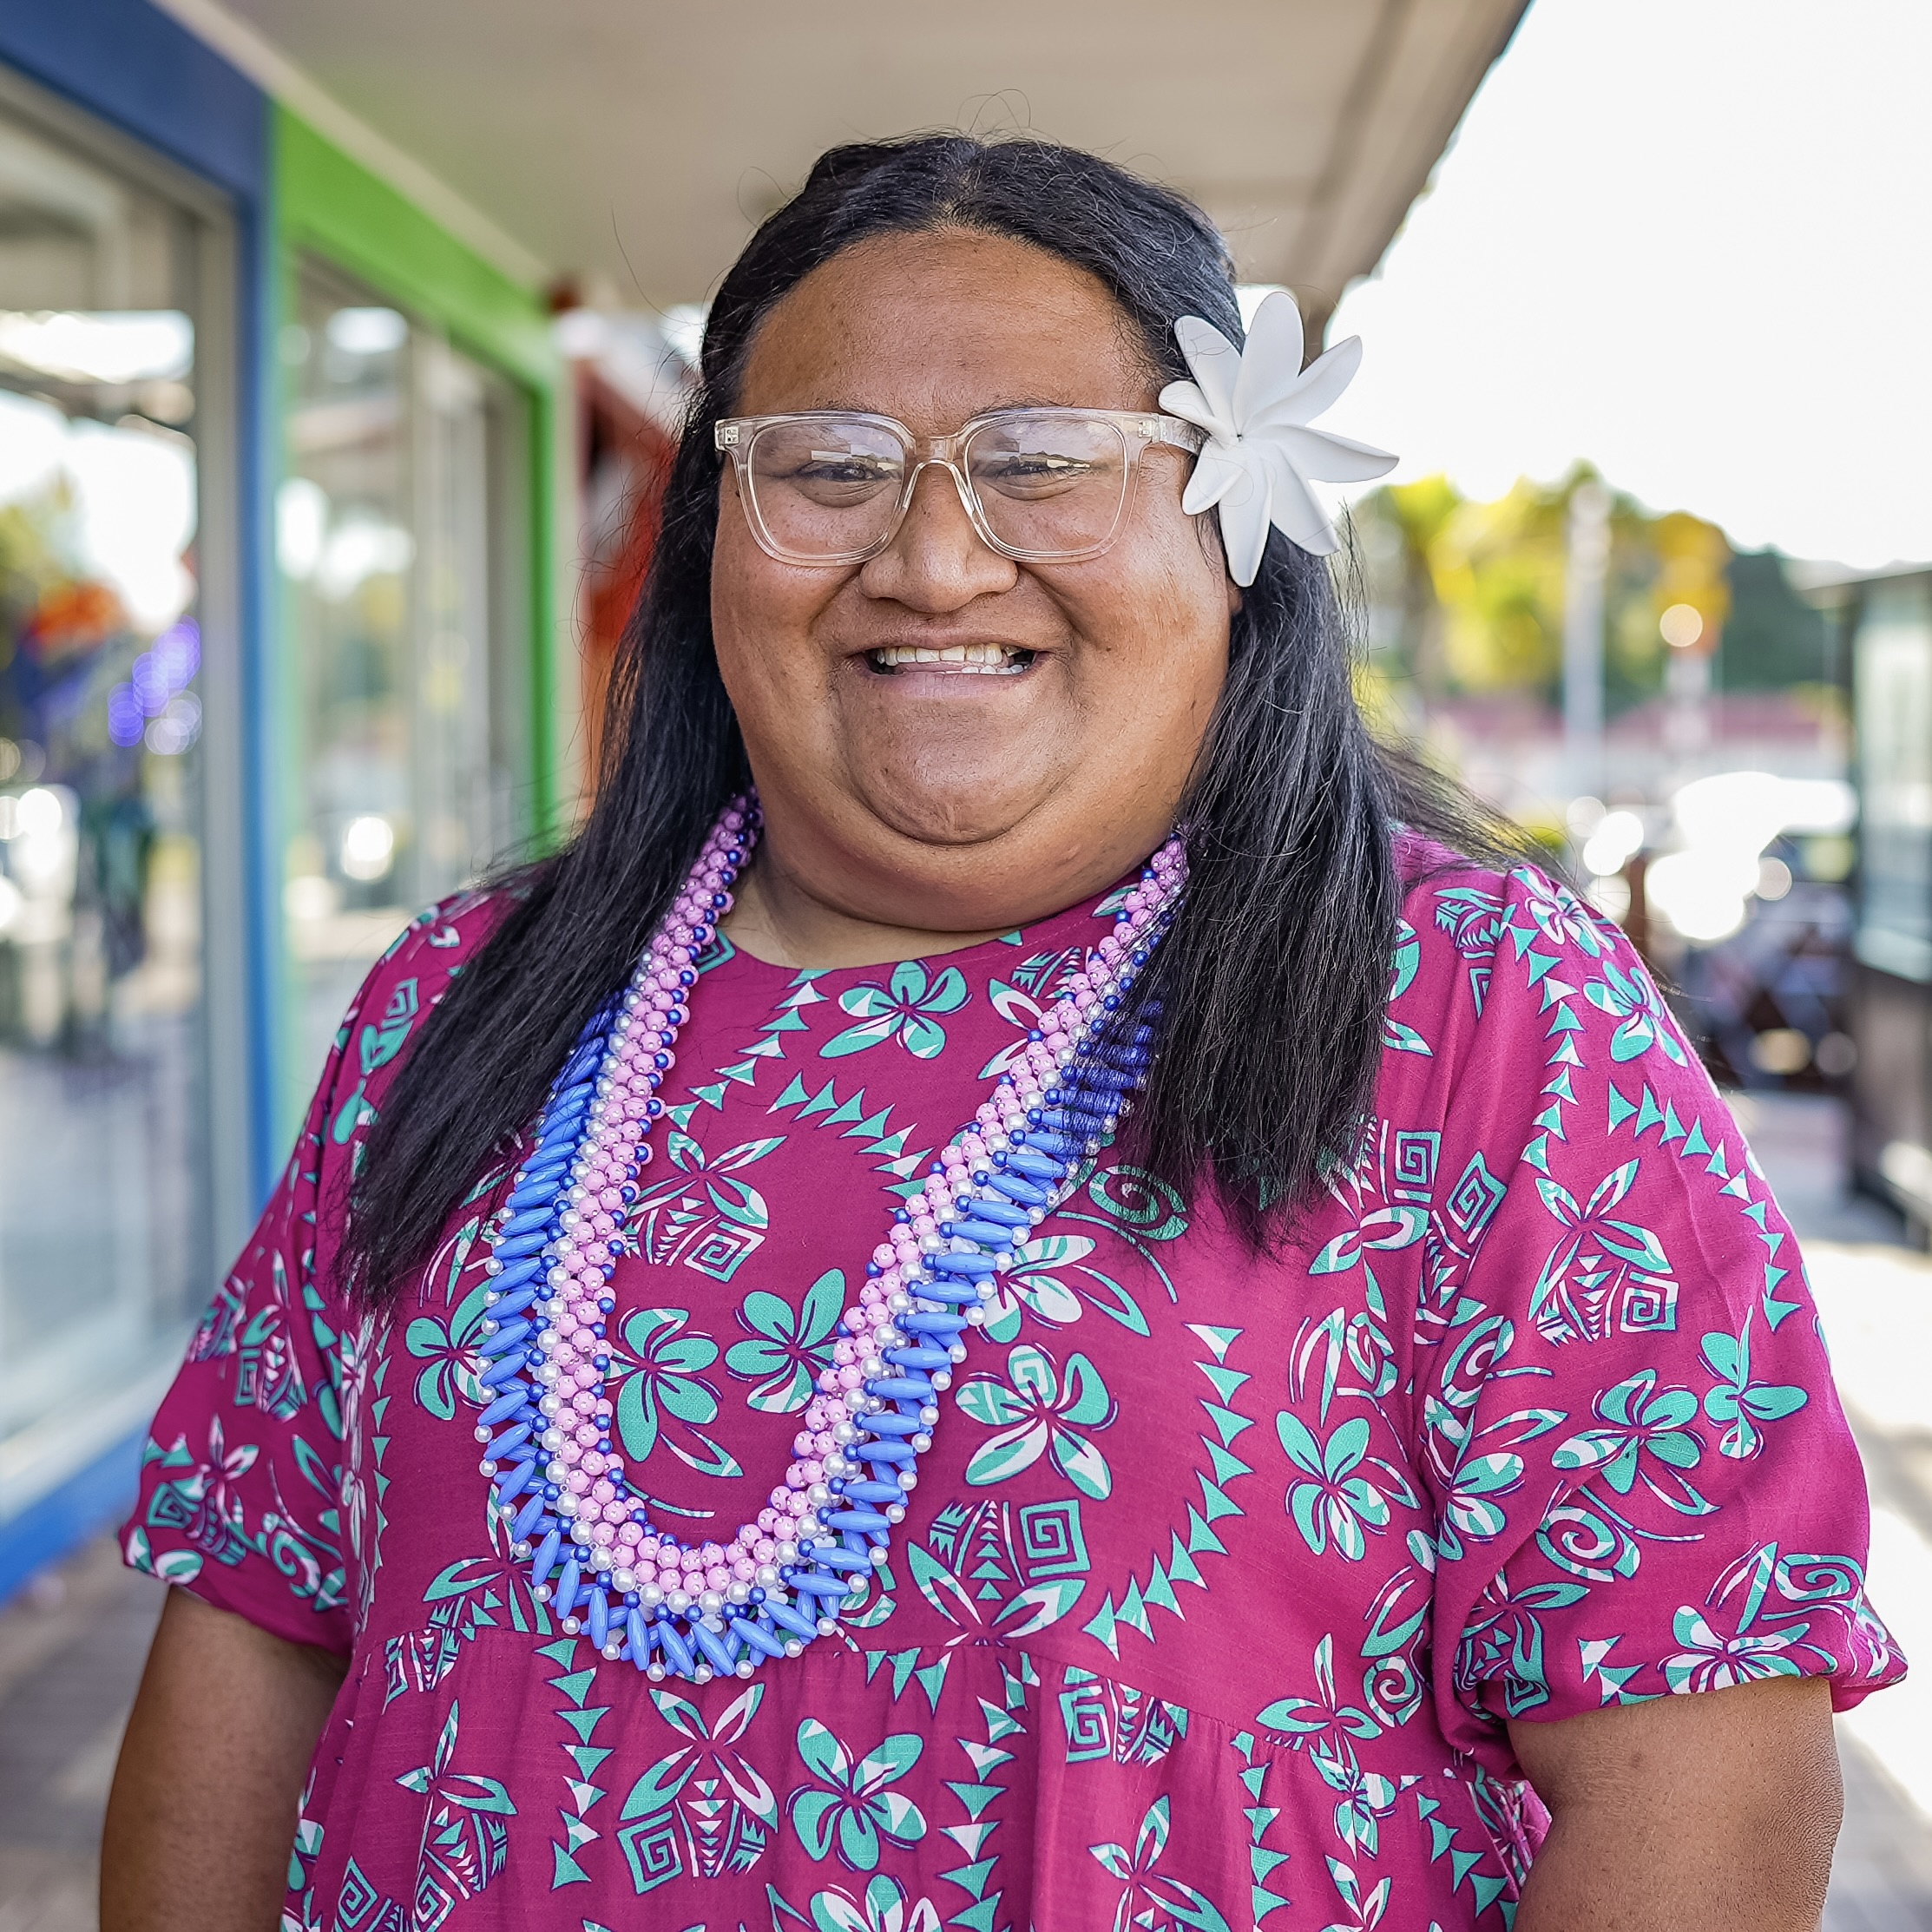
(282, 472)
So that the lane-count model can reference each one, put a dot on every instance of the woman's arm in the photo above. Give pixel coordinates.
(1711, 1812)
(202, 1813)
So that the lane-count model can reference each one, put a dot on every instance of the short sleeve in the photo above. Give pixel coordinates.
(242, 1486)
(1643, 1478)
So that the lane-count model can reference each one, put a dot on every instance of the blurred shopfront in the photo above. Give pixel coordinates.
(1888, 622)
(278, 504)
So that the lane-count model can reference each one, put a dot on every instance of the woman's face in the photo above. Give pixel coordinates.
(946, 799)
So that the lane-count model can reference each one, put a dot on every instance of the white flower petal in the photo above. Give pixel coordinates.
(1320, 386)
(1298, 515)
(1220, 469)
(1270, 361)
(1185, 401)
(1244, 521)
(1322, 453)
(1216, 364)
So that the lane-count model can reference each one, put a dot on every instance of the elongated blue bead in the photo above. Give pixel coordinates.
(504, 1406)
(920, 1359)
(721, 1658)
(677, 1652)
(903, 1388)
(1056, 1147)
(583, 1062)
(991, 1232)
(958, 1292)
(529, 1517)
(924, 1321)
(568, 1585)
(541, 1192)
(823, 1584)
(546, 1555)
(516, 1481)
(1098, 1076)
(541, 1178)
(787, 1618)
(974, 1267)
(525, 1223)
(505, 1307)
(1000, 1214)
(859, 1520)
(639, 1632)
(756, 1637)
(508, 1441)
(499, 1372)
(507, 1337)
(519, 1246)
(890, 1423)
(1016, 1188)
(1036, 1165)
(600, 1616)
(880, 1452)
(875, 1492)
(516, 1273)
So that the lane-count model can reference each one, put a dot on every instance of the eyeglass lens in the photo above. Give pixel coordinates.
(1047, 486)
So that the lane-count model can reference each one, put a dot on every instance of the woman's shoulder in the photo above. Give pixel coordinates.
(1484, 949)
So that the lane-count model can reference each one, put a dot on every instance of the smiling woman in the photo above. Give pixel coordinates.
(1081, 1301)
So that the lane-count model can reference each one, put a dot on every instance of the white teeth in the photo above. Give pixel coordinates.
(1000, 660)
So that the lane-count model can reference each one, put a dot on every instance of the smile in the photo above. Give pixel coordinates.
(998, 660)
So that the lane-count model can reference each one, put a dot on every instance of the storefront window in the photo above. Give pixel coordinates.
(1892, 682)
(103, 1147)
(398, 532)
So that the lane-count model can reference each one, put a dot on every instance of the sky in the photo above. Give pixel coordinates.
(1690, 241)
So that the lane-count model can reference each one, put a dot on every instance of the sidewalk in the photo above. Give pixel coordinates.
(71, 1646)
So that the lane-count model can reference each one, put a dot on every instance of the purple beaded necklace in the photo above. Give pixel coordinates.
(700, 1610)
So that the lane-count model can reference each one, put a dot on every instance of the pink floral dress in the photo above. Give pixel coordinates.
(1225, 1574)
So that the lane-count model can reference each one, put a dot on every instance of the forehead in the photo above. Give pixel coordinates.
(936, 328)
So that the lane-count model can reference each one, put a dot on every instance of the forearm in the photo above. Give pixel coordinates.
(1715, 1812)
(203, 1808)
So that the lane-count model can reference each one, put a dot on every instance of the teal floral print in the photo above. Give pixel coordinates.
(1225, 1571)
(664, 1395)
(882, 1907)
(704, 1808)
(1739, 1401)
(1643, 1020)
(852, 1804)
(1150, 1897)
(905, 1009)
(448, 1346)
(788, 1347)
(1337, 1505)
(1040, 1409)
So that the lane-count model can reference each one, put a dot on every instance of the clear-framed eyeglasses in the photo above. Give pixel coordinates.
(1041, 485)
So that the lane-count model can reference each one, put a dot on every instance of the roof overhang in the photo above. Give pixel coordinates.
(633, 146)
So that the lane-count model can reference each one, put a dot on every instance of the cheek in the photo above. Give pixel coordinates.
(761, 619)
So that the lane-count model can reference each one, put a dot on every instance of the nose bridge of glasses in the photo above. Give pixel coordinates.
(939, 452)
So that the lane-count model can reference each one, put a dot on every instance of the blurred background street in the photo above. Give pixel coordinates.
(342, 350)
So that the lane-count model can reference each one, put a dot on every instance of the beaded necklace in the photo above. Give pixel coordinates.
(698, 1611)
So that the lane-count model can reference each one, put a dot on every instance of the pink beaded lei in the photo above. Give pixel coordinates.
(595, 1555)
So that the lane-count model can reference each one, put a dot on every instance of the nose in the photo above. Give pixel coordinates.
(936, 561)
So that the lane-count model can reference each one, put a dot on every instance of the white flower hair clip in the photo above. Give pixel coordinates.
(1256, 403)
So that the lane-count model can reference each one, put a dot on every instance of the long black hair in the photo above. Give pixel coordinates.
(1272, 984)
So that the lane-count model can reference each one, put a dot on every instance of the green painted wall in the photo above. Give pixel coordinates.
(328, 206)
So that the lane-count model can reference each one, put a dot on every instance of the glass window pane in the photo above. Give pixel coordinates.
(103, 1142)
(391, 529)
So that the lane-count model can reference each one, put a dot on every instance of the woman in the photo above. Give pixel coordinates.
(1293, 1501)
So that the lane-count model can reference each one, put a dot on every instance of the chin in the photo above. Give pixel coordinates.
(951, 815)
